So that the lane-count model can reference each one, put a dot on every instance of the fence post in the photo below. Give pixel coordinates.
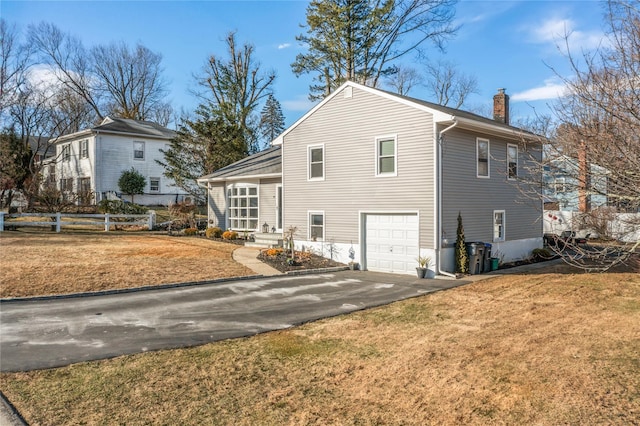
(106, 222)
(58, 221)
(1, 221)
(152, 220)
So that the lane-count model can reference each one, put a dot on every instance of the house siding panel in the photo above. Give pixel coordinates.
(348, 128)
(217, 205)
(477, 198)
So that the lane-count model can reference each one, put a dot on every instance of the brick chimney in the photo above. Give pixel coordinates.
(501, 107)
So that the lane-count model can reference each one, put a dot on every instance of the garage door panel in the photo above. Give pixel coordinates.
(392, 241)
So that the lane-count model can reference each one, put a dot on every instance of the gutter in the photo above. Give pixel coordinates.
(439, 271)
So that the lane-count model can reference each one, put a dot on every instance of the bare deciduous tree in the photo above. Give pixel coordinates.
(447, 85)
(403, 79)
(112, 79)
(596, 146)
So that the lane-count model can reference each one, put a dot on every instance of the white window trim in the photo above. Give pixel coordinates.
(511, 145)
(324, 224)
(324, 161)
(66, 152)
(144, 154)
(504, 226)
(395, 155)
(229, 218)
(159, 182)
(478, 175)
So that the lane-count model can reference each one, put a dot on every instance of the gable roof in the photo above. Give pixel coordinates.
(441, 114)
(137, 127)
(264, 163)
(124, 126)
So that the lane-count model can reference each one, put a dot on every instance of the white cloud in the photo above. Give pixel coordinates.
(284, 46)
(301, 103)
(556, 30)
(551, 89)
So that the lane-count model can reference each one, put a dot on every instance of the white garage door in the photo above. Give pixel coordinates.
(392, 242)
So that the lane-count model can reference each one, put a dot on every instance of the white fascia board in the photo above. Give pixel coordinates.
(509, 133)
(71, 136)
(237, 178)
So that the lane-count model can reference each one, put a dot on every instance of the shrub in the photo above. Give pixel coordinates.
(213, 232)
(273, 252)
(230, 235)
(120, 207)
(191, 231)
(541, 254)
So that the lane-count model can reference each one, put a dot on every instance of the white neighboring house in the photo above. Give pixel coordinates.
(93, 160)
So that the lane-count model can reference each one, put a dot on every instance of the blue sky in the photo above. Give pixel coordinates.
(510, 44)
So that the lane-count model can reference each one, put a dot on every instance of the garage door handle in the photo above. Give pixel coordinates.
(391, 250)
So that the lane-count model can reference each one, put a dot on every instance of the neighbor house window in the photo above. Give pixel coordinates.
(316, 162)
(84, 149)
(482, 153)
(66, 185)
(498, 225)
(51, 179)
(84, 185)
(243, 206)
(512, 161)
(316, 226)
(560, 186)
(138, 150)
(154, 184)
(66, 152)
(386, 156)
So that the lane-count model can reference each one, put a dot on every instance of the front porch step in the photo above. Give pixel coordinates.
(265, 240)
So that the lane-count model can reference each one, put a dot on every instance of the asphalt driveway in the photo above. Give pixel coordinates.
(36, 334)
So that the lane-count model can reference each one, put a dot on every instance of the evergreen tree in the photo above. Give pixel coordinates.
(359, 40)
(132, 182)
(462, 258)
(202, 146)
(234, 87)
(271, 119)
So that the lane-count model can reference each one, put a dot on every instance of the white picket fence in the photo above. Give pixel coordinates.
(56, 219)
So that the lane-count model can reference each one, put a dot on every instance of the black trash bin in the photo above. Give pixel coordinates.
(487, 257)
(475, 251)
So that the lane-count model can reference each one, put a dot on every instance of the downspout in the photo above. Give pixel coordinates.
(439, 271)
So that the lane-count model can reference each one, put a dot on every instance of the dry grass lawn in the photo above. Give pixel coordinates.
(543, 349)
(34, 264)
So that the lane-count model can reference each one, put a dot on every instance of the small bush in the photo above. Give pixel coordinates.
(120, 207)
(541, 254)
(274, 252)
(229, 235)
(213, 232)
(191, 231)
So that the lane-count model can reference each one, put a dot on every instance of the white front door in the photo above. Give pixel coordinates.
(391, 242)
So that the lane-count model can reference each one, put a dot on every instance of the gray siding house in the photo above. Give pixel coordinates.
(382, 177)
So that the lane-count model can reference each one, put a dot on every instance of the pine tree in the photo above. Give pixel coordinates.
(271, 119)
(462, 258)
(359, 40)
(202, 146)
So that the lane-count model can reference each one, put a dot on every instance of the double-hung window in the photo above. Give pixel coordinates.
(482, 154)
(66, 152)
(154, 184)
(243, 206)
(559, 186)
(316, 226)
(512, 161)
(84, 148)
(315, 155)
(138, 150)
(84, 185)
(498, 225)
(386, 156)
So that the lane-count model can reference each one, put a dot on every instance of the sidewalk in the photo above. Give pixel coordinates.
(247, 257)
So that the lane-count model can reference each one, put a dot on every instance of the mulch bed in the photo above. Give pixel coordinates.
(303, 261)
